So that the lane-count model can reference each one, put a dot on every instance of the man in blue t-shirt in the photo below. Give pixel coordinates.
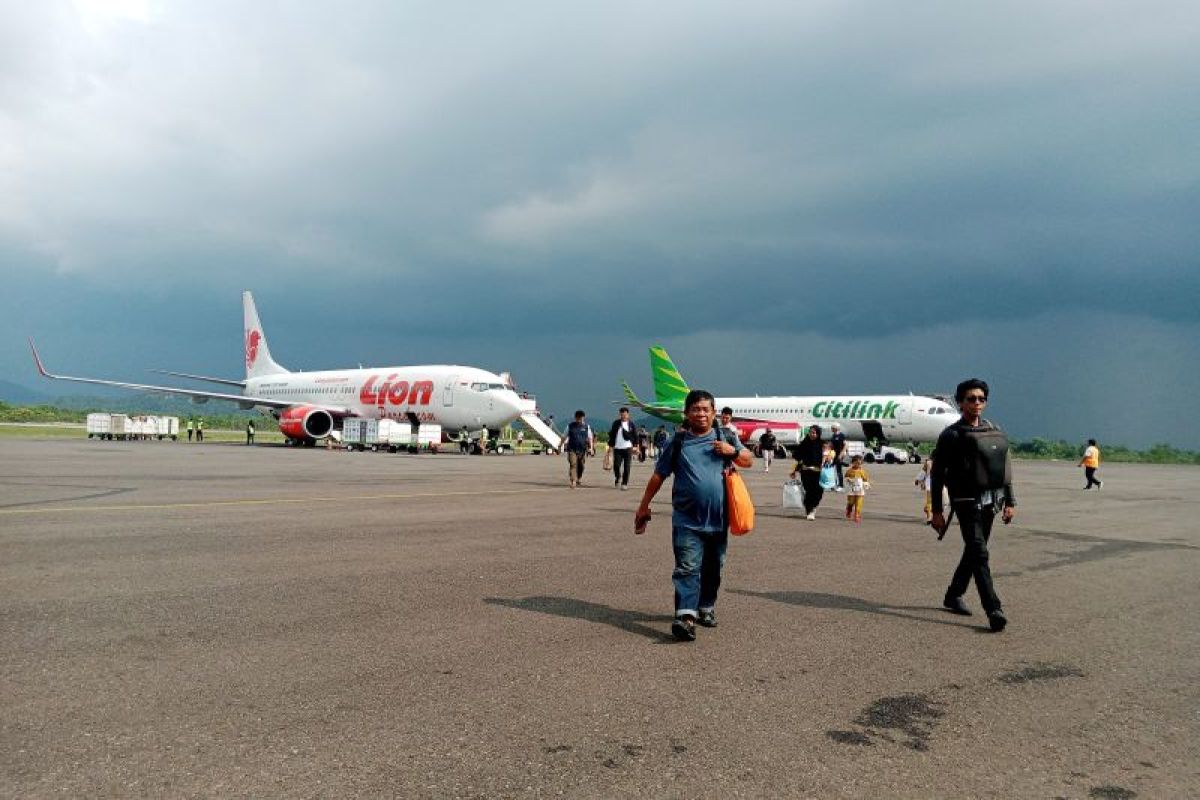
(698, 456)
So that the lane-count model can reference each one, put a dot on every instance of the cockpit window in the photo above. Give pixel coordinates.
(483, 387)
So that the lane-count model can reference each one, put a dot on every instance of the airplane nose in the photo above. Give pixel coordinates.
(512, 405)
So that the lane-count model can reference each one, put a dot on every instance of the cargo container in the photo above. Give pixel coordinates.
(360, 433)
(399, 435)
(122, 426)
(99, 425)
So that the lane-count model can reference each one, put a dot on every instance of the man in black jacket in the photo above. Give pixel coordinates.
(622, 437)
(837, 440)
(976, 507)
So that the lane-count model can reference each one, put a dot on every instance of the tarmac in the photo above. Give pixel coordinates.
(213, 619)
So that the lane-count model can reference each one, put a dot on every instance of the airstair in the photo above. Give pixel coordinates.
(541, 429)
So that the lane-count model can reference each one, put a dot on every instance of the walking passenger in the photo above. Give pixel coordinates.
(837, 440)
(579, 444)
(621, 438)
(924, 482)
(660, 440)
(858, 480)
(698, 457)
(971, 460)
(809, 455)
(766, 445)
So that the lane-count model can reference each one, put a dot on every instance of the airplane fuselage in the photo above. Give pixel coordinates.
(908, 418)
(446, 395)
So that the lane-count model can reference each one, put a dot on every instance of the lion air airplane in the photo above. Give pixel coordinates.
(901, 417)
(312, 405)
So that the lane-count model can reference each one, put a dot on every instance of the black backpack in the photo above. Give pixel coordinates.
(984, 459)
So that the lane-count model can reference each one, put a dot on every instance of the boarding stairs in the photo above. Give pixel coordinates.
(541, 429)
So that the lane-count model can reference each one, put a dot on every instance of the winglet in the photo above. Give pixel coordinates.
(38, 360)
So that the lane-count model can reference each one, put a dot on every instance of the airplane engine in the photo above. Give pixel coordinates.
(305, 422)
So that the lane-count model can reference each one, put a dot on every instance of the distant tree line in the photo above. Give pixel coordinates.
(47, 413)
(1037, 447)
(1161, 453)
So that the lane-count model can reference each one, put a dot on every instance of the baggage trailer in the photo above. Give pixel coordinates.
(124, 427)
(120, 427)
(399, 436)
(99, 426)
(360, 433)
(165, 427)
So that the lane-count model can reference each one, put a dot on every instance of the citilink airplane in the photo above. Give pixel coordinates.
(884, 418)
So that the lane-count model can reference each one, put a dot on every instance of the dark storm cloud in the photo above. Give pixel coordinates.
(399, 182)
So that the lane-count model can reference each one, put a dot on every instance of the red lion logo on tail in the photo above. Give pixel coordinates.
(252, 340)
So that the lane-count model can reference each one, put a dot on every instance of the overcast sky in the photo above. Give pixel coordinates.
(793, 197)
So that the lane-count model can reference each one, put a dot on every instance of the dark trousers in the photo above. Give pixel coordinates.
(622, 459)
(811, 479)
(837, 465)
(1090, 474)
(976, 527)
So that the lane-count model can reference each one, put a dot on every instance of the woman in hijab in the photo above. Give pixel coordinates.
(809, 456)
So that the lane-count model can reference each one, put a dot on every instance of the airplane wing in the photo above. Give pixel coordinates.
(198, 396)
(225, 381)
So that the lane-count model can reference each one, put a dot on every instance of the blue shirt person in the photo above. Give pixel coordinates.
(698, 457)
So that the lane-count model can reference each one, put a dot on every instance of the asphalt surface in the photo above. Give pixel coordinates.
(189, 620)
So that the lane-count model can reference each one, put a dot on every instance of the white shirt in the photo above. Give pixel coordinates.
(624, 436)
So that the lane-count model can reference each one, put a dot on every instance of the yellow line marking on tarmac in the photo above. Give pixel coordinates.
(270, 501)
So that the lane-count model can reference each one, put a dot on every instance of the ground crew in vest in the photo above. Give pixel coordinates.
(960, 465)
(200, 429)
(1090, 463)
(250, 431)
(191, 427)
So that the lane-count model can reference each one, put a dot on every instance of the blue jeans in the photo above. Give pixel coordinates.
(699, 557)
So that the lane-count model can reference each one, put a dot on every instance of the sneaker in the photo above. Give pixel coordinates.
(708, 619)
(1099, 485)
(997, 620)
(624, 487)
(684, 629)
(955, 605)
(839, 489)
(811, 516)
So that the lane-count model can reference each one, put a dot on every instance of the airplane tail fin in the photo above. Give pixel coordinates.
(258, 354)
(669, 386)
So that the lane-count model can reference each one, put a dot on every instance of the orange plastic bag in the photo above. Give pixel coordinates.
(739, 504)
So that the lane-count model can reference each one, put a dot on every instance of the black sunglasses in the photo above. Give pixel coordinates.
(975, 398)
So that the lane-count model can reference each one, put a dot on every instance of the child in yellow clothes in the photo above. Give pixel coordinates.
(857, 481)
